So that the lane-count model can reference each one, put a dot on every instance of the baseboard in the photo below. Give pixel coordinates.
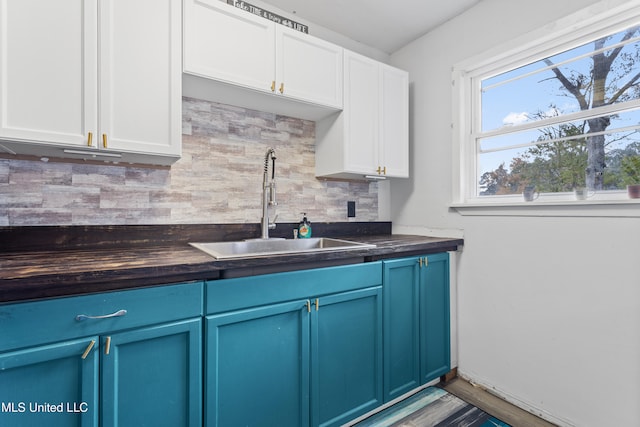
(476, 381)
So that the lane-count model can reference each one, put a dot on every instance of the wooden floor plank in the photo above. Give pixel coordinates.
(494, 405)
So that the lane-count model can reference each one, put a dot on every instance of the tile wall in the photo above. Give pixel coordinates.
(217, 180)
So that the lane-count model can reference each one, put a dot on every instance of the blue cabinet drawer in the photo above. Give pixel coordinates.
(245, 292)
(39, 322)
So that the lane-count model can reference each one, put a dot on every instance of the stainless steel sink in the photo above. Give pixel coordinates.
(267, 247)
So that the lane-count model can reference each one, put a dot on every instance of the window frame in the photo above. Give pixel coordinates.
(563, 34)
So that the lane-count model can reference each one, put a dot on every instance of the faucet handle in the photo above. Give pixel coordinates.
(272, 225)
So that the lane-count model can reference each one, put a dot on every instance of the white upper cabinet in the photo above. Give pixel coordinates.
(224, 44)
(93, 80)
(48, 70)
(370, 137)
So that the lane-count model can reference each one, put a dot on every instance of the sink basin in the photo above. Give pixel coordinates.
(260, 248)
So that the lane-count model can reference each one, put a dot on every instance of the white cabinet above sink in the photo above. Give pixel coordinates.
(234, 57)
(370, 137)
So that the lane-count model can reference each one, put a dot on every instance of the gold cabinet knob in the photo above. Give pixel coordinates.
(281, 88)
(107, 345)
(88, 349)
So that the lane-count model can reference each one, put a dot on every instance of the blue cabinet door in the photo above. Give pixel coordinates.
(401, 326)
(257, 367)
(153, 376)
(346, 356)
(434, 317)
(50, 385)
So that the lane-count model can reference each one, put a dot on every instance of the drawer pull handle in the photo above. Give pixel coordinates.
(81, 317)
(89, 347)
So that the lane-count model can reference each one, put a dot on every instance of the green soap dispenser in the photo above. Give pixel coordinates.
(304, 228)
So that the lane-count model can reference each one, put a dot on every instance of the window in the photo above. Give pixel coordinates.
(558, 114)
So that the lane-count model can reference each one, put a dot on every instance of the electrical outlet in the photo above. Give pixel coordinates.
(351, 209)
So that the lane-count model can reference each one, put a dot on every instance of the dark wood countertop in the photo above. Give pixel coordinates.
(36, 274)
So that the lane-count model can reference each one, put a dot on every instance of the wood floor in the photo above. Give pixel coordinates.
(493, 405)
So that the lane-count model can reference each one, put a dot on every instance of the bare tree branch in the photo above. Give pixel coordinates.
(614, 54)
(572, 88)
(624, 88)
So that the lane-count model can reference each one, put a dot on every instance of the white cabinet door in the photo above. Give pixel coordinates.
(308, 68)
(361, 136)
(228, 44)
(140, 76)
(48, 71)
(394, 122)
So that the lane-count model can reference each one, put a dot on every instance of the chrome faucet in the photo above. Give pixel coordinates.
(268, 193)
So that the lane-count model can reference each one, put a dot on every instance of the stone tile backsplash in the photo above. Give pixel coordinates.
(217, 180)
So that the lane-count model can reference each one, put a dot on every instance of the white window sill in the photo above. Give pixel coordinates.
(614, 204)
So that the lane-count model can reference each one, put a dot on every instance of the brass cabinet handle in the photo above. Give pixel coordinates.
(90, 139)
(81, 317)
(420, 262)
(308, 306)
(317, 303)
(384, 170)
(104, 140)
(89, 347)
(107, 345)
(423, 261)
(273, 86)
(281, 88)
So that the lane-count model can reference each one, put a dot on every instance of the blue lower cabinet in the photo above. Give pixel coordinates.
(311, 361)
(435, 345)
(416, 322)
(346, 356)
(129, 358)
(153, 376)
(401, 291)
(50, 385)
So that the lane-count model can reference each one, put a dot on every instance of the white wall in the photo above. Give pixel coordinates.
(548, 308)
